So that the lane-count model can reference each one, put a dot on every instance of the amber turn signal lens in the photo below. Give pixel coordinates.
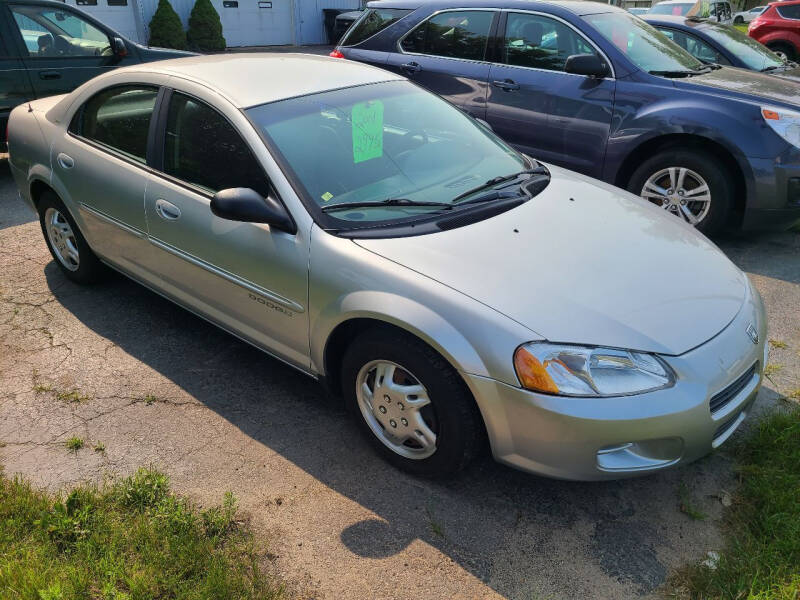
(532, 373)
(770, 114)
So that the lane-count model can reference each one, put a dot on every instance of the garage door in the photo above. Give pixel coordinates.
(116, 14)
(256, 22)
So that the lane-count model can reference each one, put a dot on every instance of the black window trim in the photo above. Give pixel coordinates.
(492, 29)
(77, 116)
(409, 11)
(501, 34)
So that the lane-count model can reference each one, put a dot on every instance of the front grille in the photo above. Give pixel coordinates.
(729, 393)
(726, 425)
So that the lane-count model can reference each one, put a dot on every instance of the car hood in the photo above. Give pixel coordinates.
(746, 83)
(584, 262)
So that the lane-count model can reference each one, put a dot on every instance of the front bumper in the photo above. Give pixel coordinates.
(611, 438)
(774, 200)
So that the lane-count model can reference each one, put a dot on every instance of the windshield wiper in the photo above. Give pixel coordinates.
(500, 179)
(686, 72)
(384, 203)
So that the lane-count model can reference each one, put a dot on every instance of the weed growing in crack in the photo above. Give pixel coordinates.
(777, 344)
(687, 505)
(149, 399)
(72, 396)
(74, 443)
(99, 447)
(41, 388)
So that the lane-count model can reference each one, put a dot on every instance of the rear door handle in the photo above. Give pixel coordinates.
(167, 210)
(65, 161)
(508, 85)
(48, 75)
(411, 67)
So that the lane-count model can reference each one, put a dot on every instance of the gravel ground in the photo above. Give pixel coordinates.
(158, 386)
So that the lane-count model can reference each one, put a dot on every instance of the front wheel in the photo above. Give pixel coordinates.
(784, 50)
(688, 185)
(410, 403)
(738, 21)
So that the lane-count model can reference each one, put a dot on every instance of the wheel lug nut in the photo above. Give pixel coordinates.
(683, 202)
(382, 409)
(404, 422)
(392, 422)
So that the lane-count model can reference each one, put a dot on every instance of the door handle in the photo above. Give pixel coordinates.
(508, 85)
(49, 75)
(411, 67)
(65, 161)
(167, 210)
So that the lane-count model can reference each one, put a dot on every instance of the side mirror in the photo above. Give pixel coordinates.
(119, 47)
(247, 205)
(590, 65)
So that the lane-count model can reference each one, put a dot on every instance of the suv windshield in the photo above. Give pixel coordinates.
(389, 143)
(645, 46)
(753, 54)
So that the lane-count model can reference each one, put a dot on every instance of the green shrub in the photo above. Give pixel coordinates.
(205, 28)
(166, 29)
(144, 489)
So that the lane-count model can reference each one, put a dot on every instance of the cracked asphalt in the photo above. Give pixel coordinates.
(158, 386)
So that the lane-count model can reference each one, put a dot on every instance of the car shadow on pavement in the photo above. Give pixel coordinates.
(749, 249)
(503, 526)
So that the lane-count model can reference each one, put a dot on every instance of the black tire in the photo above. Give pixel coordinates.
(459, 428)
(784, 48)
(738, 21)
(715, 174)
(89, 268)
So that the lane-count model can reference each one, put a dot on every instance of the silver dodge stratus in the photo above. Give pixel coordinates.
(377, 238)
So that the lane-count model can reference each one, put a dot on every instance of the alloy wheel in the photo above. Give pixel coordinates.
(397, 408)
(679, 191)
(62, 239)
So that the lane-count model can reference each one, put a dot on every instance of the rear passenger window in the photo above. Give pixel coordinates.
(371, 22)
(203, 148)
(452, 34)
(119, 118)
(789, 12)
(540, 42)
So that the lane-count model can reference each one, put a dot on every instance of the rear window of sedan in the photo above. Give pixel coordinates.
(371, 22)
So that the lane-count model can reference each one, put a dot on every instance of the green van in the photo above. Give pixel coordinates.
(48, 48)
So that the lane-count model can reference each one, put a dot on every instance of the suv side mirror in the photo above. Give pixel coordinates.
(247, 205)
(119, 47)
(590, 65)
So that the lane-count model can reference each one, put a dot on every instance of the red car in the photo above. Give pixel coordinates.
(778, 28)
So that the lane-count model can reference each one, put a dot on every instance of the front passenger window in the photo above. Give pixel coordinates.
(539, 42)
(452, 34)
(119, 118)
(203, 148)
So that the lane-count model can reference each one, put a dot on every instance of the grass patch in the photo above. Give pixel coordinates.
(74, 444)
(777, 344)
(131, 540)
(761, 556)
(99, 447)
(742, 27)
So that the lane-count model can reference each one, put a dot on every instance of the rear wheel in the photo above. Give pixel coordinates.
(738, 21)
(410, 403)
(66, 242)
(688, 185)
(783, 49)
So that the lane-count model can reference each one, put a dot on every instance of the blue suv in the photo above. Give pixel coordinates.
(590, 87)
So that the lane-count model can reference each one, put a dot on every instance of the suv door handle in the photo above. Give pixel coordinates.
(508, 85)
(411, 67)
(167, 210)
(48, 75)
(65, 161)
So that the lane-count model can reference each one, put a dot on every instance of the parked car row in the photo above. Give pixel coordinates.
(595, 89)
(450, 288)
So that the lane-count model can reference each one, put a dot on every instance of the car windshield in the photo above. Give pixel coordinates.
(676, 9)
(645, 46)
(754, 55)
(383, 142)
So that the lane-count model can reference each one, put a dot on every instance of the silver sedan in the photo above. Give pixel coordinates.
(375, 237)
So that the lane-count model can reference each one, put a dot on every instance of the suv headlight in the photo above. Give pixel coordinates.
(786, 123)
(568, 370)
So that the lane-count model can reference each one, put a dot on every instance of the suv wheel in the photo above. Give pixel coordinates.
(410, 403)
(687, 184)
(66, 243)
(783, 49)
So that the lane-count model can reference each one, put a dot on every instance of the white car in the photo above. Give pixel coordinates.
(719, 10)
(746, 16)
(378, 239)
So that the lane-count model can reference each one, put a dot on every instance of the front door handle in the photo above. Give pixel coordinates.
(508, 85)
(411, 67)
(167, 210)
(65, 161)
(49, 75)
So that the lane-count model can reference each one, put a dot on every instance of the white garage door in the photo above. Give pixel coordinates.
(256, 22)
(116, 14)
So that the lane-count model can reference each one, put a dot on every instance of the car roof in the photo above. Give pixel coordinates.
(249, 79)
(579, 7)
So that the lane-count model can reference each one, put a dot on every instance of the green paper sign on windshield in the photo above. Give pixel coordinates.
(367, 125)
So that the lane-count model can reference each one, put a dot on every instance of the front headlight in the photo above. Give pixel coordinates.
(568, 370)
(786, 123)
